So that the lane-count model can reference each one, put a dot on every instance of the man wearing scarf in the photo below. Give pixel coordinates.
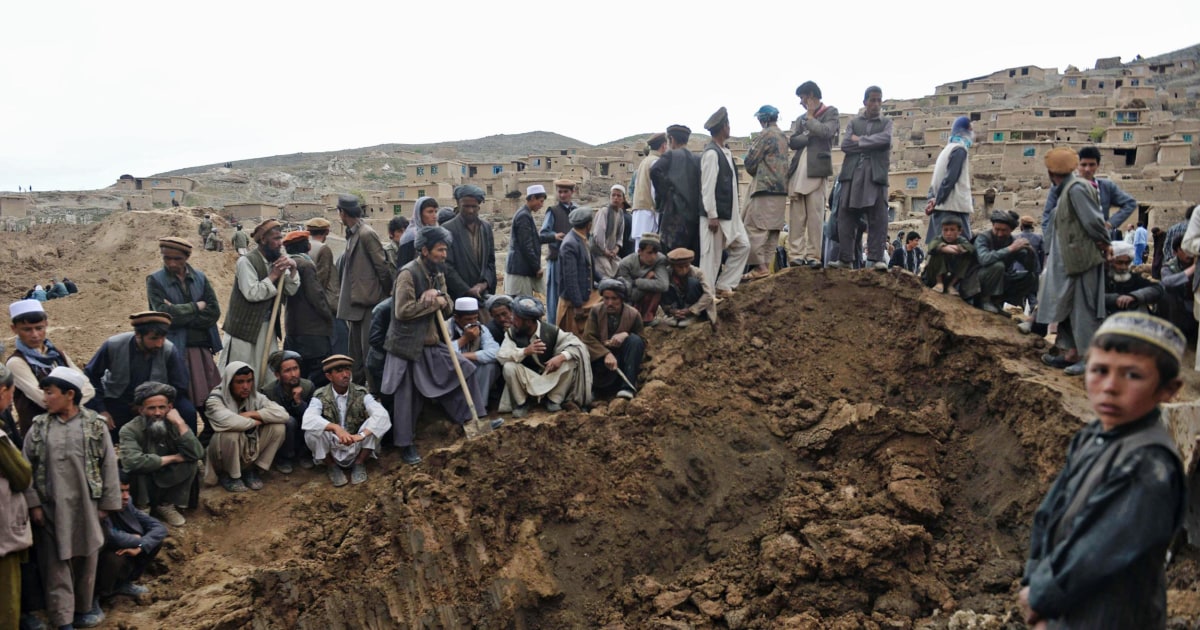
(542, 361)
(952, 176)
(33, 359)
(613, 335)
(1125, 290)
(248, 334)
(425, 212)
(249, 429)
(184, 293)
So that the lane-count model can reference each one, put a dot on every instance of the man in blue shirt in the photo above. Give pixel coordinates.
(1110, 194)
(1140, 238)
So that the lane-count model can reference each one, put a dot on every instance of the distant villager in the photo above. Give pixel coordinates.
(812, 137)
(950, 192)
(721, 228)
(867, 144)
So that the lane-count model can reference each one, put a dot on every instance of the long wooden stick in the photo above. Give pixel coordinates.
(473, 427)
(262, 370)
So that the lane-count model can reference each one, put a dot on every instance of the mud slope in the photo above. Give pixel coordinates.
(847, 452)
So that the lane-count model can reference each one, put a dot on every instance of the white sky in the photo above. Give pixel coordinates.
(96, 89)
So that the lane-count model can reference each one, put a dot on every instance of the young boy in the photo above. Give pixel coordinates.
(33, 359)
(949, 256)
(1101, 534)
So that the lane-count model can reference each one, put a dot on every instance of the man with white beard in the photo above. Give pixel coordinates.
(1125, 290)
(160, 454)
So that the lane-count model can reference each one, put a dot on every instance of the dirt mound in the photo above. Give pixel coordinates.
(849, 451)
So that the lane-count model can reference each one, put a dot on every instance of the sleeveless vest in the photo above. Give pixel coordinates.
(116, 377)
(1073, 244)
(26, 408)
(244, 319)
(94, 429)
(537, 363)
(356, 407)
(406, 339)
(725, 179)
(960, 198)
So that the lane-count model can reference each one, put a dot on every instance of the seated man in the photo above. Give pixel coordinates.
(613, 337)
(213, 242)
(645, 273)
(1125, 290)
(541, 361)
(1178, 304)
(160, 454)
(131, 540)
(687, 298)
(343, 423)
(950, 257)
(248, 427)
(292, 392)
(474, 342)
(909, 255)
(1007, 267)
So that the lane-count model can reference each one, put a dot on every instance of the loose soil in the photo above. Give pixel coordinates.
(849, 450)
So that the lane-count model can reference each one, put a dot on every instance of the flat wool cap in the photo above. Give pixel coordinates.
(719, 118)
(580, 217)
(264, 229)
(295, 235)
(336, 361)
(651, 237)
(150, 317)
(318, 223)
(175, 243)
(564, 183)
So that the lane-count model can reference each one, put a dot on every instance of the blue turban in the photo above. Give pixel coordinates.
(766, 112)
(468, 190)
(962, 123)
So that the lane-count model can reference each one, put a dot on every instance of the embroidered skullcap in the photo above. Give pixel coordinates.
(24, 307)
(1007, 217)
(527, 307)
(150, 317)
(65, 378)
(497, 300)
(681, 254)
(1145, 327)
(535, 189)
(580, 217)
(962, 123)
(466, 304)
(652, 237)
(336, 361)
(1061, 160)
(264, 229)
(719, 118)
(295, 235)
(612, 284)
(468, 190)
(766, 112)
(177, 244)
(1121, 248)
(564, 183)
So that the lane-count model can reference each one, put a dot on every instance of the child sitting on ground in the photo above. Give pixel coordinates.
(949, 257)
(1100, 536)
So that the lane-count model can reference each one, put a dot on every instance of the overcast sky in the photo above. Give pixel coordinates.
(96, 89)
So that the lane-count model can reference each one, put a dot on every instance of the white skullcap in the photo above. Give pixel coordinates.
(535, 189)
(74, 377)
(466, 305)
(23, 307)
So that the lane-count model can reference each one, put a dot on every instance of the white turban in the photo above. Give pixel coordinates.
(1121, 248)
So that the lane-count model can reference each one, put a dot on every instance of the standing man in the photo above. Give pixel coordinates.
(307, 319)
(129, 359)
(249, 429)
(322, 256)
(184, 293)
(343, 424)
(32, 360)
(1140, 239)
(952, 176)
(75, 485)
(576, 276)
(645, 218)
(240, 242)
(16, 537)
(721, 228)
(471, 264)
(812, 138)
(365, 279)
(523, 271)
(1109, 193)
(554, 229)
(608, 233)
(1072, 293)
(767, 163)
(676, 179)
(206, 226)
(397, 226)
(867, 144)
(248, 335)
(160, 454)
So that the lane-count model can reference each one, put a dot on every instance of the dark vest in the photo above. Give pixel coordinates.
(562, 225)
(406, 339)
(116, 378)
(549, 337)
(725, 183)
(245, 318)
(27, 409)
(683, 183)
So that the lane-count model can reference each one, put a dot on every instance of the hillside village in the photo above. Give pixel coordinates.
(1144, 115)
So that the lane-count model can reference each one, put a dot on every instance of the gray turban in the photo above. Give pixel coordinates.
(468, 190)
(431, 235)
(612, 284)
(497, 300)
(527, 307)
(1007, 217)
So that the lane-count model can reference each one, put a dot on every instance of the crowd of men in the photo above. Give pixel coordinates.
(99, 457)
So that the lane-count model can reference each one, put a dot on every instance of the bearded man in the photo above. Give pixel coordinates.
(248, 334)
(160, 453)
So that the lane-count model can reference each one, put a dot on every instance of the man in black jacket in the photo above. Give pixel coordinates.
(523, 272)
(471, 264)
(676, 178)
(910, 256)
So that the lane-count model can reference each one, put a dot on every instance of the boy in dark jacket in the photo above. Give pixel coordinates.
(131, 540)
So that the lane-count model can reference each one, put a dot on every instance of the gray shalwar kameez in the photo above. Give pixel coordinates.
(1077, 300)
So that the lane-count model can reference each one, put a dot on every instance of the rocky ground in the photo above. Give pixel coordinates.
(848, 451)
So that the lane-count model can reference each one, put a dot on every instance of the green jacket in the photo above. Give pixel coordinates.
(141, 457)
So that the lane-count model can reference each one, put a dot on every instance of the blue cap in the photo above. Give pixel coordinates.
(766, 111)
(962, 123)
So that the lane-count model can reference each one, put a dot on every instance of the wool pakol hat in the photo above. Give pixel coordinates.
(1145, 327)
(679, 133)
(24, 307)
(719, 118)
(1121, 248)
(681, 254)
(580, 217)
(1028, 220)
(1061, 160)
(295, 235)
(336, 361)
(652, 237)
(175, 243)
(150, 317)
(564, 183)
(656, 140)
(318, 223)
(527, 307)
(264, 229)
(63, 375)
(466, 304)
